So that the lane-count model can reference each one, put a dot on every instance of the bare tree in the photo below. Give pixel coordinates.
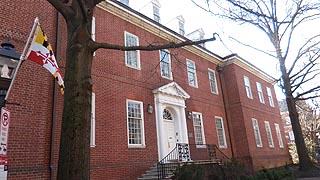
(74, 152)
(280, 22)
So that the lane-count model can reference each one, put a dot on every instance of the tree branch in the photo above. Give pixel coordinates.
(308, 92)
(97, 45)
(252, 47)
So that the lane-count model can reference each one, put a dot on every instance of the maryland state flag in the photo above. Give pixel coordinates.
(40, 51)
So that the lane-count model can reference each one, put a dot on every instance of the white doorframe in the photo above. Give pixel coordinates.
(172, 97)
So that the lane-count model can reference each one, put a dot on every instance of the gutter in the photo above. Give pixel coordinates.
(220, 69)
(54, 103)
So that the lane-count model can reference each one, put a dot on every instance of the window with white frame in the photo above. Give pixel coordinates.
(198, 129)
(192, 75)
(93, 121)
(165, 64)
(247, 86)
(135, 124)
(181, 27)
(291, 135)
(132, 57)
(269, 134)
(221, 133)
(256, 131)
(213, 81)
(279, 135)
(156, 13)
(288, 120)
(93, 31)
(126, 2)
(260, 93)
(270, 97)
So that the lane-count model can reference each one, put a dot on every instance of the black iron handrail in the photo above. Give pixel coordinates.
(183, 153)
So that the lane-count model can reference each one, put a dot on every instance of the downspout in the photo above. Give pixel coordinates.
(54, 103)
(220, 69)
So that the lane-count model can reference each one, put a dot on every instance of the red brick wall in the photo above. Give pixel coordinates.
(30, 101)
(114, 83)
(243, 109)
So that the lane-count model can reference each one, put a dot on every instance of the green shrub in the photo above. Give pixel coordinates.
(232, 170)
(190, 172)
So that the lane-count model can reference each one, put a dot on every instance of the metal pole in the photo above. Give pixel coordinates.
(36, 21)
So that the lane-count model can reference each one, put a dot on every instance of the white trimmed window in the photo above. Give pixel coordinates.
(135, 124)
(270, 97)
(198, 129)
(291, 135)
(156, 12)
(213, 81)
(93, 121)
(269, 134)
(181, 27)
(279, 135)
(288, 120)
(126, 2)
(256, 131)
(165, 64)
(260, 93)
(247, 86)
(93, 31)
(221, 133)
(132, 57)
(192, 74)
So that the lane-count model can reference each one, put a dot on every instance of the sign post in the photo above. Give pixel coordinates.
(4, 132)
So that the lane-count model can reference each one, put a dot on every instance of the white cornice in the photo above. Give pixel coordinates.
(249, 67)
(156, 29)
(144, 23)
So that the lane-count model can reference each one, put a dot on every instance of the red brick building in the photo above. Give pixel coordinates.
(144, 103)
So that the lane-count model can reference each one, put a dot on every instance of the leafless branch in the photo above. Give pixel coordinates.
(151, 47)
(306, 98)
(312, 90)
(260, 50)
(305, 48)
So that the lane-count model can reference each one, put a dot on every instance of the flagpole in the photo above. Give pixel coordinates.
(36, 21)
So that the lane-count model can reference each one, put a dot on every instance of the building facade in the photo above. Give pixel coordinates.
(144, 103)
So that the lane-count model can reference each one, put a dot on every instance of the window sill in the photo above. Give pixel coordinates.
(136, 146)
(133, 67)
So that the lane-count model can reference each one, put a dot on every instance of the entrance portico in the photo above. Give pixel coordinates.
(170, 117)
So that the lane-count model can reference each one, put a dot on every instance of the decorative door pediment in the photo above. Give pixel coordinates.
(172, 89)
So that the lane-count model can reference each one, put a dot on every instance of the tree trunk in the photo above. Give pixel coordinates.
(305, 163)
(74, 155)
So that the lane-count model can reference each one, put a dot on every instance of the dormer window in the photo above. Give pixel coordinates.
(126, 2)
(181, 28)
(156, 10)
(181, 25)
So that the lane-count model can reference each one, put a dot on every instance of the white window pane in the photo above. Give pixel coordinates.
(198, 129)
(132, 57)
(269, 134)
(260, 93)
(191, 69)
(165, 64)
(213, 81)
(221, 133)
(135, 123)
(256, 132)
(247, 87)
(279, 135)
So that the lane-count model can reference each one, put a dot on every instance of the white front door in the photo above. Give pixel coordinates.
(171, 135)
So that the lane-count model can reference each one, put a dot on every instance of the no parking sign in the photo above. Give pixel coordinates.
(4, 132)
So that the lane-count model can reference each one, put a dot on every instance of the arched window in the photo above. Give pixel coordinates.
(167, 115)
